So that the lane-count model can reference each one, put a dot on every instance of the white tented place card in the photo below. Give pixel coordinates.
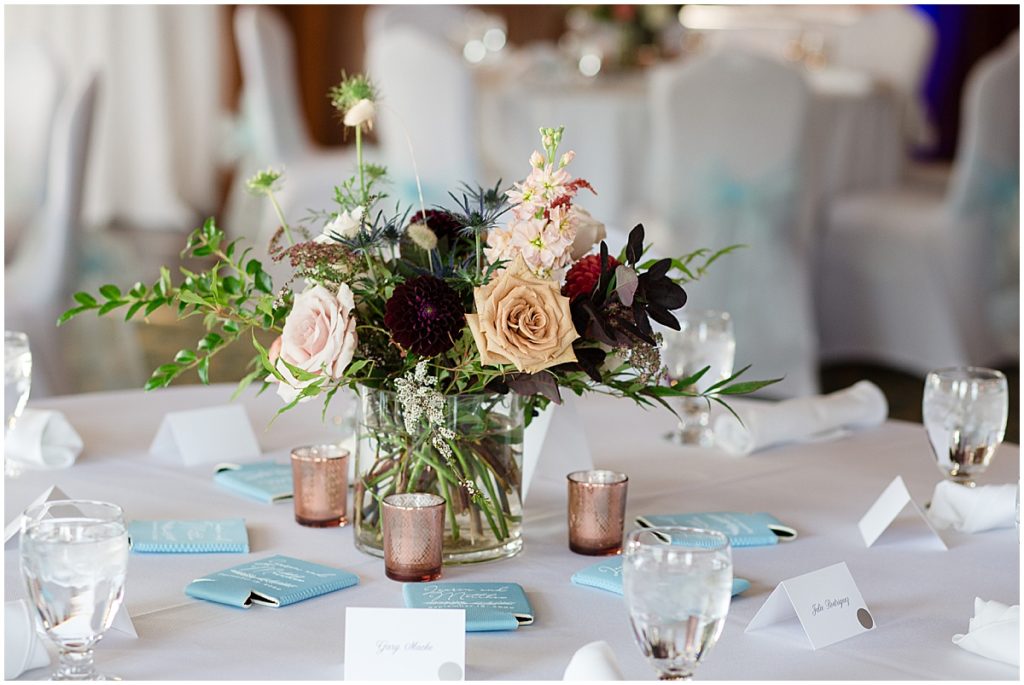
(889, 505)
(826, 602)
(51, 494)
(405, 644)
(210, 435)
(555, 444)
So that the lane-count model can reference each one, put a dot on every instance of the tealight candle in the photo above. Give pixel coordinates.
(320, 483)
(597, 511)
(413, 528)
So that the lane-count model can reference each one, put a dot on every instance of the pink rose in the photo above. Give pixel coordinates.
(274, 351)
(319, 336)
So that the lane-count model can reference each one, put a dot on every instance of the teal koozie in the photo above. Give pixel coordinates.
(275, 581)
(607, 575)
(743, 530)
(488, 606)
(265, 481)
(189, 537)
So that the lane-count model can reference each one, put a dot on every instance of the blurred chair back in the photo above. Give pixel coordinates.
(270, 96)
(895, 44)
(428, 101)
(443, 21)
(38, 280)
(984, 198)
(32, 85)
(730, 168)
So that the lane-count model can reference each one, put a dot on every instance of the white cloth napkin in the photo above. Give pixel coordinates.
(994, 632)
(971, 510)
(43, 439)
(862, 405)
(23, 647)
(594, 661)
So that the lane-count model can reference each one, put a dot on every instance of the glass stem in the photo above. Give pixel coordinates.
(76, 664)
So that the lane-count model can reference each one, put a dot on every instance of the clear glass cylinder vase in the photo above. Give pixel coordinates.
(480, 480)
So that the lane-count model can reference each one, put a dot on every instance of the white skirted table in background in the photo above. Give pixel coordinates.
(920, 597)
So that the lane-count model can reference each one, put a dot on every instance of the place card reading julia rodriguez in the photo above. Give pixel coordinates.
(405, 644)
(827, 603)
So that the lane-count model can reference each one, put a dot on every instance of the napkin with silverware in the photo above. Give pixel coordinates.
(972, 510)
(42, 439)
(994, 632)
(593, 661)
(23, 647)
(803, 419)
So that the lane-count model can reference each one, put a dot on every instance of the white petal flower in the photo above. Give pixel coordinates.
(346, 225)
(361, 113)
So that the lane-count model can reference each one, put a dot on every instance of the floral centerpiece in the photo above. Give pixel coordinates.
(455, 326)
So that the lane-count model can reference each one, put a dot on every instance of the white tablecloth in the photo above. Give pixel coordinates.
(919, 597)
(856, 136)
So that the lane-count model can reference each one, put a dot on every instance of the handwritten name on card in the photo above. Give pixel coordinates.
(405, 644)
(827, 603)
(889, 505)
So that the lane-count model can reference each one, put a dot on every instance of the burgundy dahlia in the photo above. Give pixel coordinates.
(584, 275)
(443, 224)
(425, 316)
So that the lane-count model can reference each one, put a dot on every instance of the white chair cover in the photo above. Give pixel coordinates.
(895, 44)
(38, 279)
(730, 167)
(277, 132)
(428, 100)
(919, 280)
(445, 21)
(32, 86)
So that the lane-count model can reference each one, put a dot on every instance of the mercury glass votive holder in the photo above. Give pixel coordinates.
(597, 511)
(320, 484)
(413, 527)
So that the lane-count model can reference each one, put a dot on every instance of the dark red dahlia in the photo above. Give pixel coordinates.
(425, 316)
(443, 224)
(584, 275)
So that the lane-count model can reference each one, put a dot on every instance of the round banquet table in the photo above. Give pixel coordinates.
(857, 133)
(920, 597)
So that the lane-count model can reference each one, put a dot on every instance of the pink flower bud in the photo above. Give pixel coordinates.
(536, 160)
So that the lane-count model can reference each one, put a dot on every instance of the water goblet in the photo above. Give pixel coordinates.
(677, 584)
(965, 411)
(74, 557)
(704, 338)
(17, 384)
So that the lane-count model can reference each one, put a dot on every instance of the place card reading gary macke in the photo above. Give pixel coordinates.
(827, 602)
(405, 644)
(275, 581)
(189, 537)
(489, 606)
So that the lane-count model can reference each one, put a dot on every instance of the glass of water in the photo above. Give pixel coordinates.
(965, 412)
(705, 338)
(677, 584)
(74, 557)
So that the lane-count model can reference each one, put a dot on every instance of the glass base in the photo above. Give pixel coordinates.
(591, 552)
(506, 550)
(412, 577)
(337, 522)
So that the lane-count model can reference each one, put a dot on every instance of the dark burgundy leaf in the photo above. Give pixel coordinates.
(635, 245)
(665, 293)
(640, 317)
(662, 316)
(540, 383)
(659, 269)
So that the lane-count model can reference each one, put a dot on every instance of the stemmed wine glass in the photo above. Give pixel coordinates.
(678, 584)
(965, 411)
(74, 557)
(17, 384)
(704, 338)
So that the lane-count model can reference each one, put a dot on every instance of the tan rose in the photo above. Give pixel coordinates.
(522, 319)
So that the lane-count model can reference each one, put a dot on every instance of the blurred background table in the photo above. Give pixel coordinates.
(919, 597)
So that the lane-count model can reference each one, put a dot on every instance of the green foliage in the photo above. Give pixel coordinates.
(351, 90)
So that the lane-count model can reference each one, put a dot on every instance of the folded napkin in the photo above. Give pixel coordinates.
(42, 439)
(766, 424)
(972, 510)
(594, 661)
(23, 646)
(994, 632)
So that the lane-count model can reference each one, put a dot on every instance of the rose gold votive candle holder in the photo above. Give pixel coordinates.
(597, 511)
(413, 526)
(320, 483)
